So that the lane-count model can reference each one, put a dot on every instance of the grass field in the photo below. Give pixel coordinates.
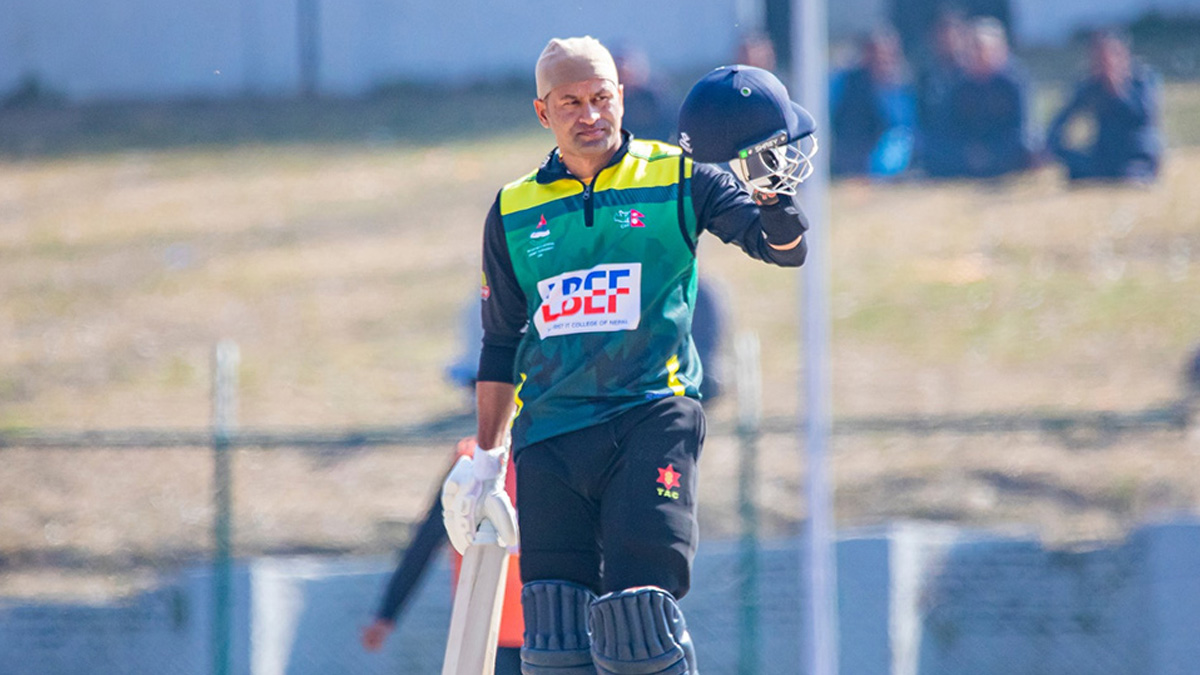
(337, 244)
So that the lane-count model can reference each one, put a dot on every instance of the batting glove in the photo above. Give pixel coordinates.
(474, 490)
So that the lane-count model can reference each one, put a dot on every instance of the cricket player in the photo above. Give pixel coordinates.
(589, 282)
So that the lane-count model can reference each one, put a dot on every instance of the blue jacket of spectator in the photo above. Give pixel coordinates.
(987, 131)
(872, 124)
(1127, 141)
(934, 87)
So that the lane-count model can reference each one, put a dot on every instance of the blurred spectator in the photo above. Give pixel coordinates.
(1122, 100)
(944, 68)
(462, 370)
(710, 323)
(873, 110)
(1191, 375)
(987, 111)
(756, 49)
(1191, 393)
(430, 536)
(648, 113)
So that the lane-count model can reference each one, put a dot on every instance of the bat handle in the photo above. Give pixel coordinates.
(486, 534)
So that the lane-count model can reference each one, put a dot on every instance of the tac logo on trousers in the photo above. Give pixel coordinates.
(669, 479)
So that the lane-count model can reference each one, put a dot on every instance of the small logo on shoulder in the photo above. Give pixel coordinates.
(541, 230)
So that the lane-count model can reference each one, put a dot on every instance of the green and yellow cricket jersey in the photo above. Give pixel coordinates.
(608, 272)
(588, 290)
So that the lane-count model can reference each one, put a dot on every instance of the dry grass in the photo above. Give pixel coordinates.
(341, 268)
(964, 297)
(339, 274)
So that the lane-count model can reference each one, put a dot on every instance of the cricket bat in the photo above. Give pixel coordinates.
(478, 600)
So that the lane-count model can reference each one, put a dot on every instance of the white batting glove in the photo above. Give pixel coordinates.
(474, 490)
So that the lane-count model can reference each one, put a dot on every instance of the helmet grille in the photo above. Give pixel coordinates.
(778, 169)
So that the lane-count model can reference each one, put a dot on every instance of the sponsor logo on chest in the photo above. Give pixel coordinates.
(601, 299)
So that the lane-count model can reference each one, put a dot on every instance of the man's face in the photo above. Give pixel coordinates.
(950, 38)
(1111, 60)
(884, 58)
(989, 54)
(585, 117)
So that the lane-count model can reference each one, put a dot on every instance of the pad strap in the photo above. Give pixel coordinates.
(556, 630)
(641, 631)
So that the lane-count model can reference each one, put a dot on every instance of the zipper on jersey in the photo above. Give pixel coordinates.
(587, 202)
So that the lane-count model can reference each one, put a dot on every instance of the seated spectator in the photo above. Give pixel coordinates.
(943, 69)
(873, 110)
(1191, 375)
(987, 111)
(1122, 101)
(647, 111)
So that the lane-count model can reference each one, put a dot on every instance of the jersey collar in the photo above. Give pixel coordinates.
(553, 169)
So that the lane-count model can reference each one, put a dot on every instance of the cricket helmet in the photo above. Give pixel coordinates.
(742, 115)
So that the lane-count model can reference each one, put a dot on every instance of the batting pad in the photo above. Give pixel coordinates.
(556, 630)
(641, 631)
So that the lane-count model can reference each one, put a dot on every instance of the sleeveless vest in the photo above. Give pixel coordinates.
(609, 273)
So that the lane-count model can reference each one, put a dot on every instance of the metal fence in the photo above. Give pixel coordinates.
(199, 547)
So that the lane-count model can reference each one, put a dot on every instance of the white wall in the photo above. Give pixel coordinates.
(148, 49)
(173, 48)
(371, 40)
(138, 48)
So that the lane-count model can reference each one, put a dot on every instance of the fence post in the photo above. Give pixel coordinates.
(225, 382)
(749, 399)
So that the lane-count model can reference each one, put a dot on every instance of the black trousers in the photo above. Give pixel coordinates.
(613, 506)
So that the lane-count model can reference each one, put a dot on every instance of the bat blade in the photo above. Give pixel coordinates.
(478, 600)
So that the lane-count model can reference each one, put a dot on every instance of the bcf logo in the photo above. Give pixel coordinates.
(601, 299)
